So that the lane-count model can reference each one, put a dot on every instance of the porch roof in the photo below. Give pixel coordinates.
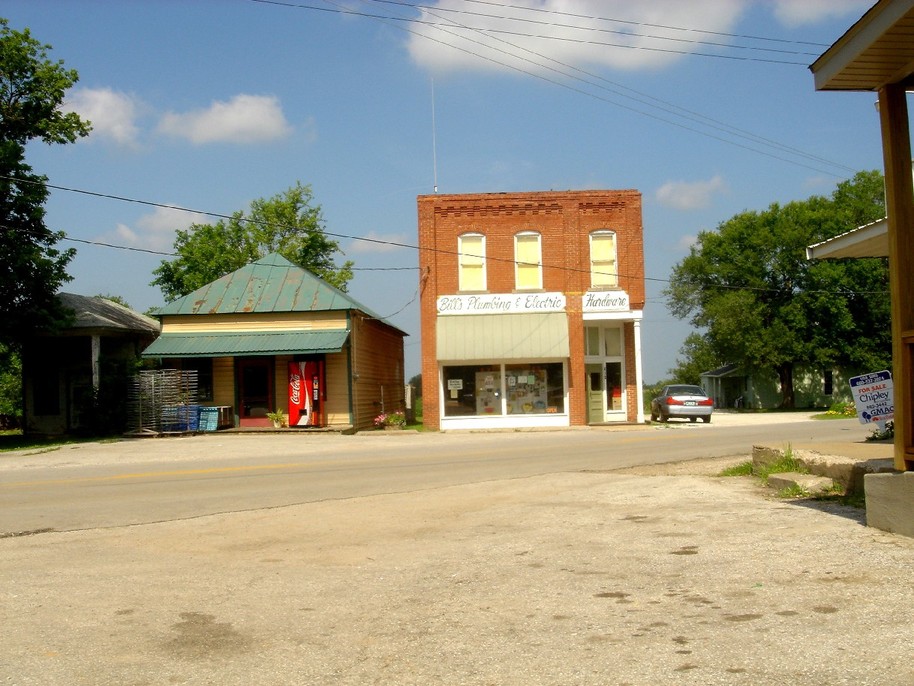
(224, 344)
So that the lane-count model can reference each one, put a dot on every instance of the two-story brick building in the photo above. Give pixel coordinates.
(531, 307)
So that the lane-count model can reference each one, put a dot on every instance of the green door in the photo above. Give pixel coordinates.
(596, 395)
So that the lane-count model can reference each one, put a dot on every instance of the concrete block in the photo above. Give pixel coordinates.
(763, 455)
(861, 469)
(890, 502)
(811, 483)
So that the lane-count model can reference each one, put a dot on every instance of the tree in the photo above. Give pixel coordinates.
(697, 356)
(287, 223)
(32, 270)
(763, 305)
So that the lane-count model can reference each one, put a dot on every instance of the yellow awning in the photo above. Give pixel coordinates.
(526, 336)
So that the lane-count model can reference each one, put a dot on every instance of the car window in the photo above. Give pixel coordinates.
(684, 390)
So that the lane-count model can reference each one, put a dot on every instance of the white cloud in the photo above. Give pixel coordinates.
(379, 242)
(686, 242)
(614, 33)
(795, 13)
(695, 195)
(112, 114)
(156, 231)
(243, 119)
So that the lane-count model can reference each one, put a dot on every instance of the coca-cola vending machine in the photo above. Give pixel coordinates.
(306, 393)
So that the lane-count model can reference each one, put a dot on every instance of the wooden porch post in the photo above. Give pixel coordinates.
(899, 196)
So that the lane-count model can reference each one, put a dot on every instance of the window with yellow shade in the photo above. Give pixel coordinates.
(603, 270)
(472, 262)
(528, 264)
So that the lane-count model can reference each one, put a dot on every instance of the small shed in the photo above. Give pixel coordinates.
(272, 338)
(75, 379)
(726, 385)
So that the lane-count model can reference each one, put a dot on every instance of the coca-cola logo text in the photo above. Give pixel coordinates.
(295, 383)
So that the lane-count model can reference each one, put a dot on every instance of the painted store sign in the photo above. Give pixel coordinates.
(505, 303)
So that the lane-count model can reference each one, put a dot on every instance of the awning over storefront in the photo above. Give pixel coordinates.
(237, 344)
(503, 336)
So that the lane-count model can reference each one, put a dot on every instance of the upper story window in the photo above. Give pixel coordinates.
(471, 261)
(603, 270)
(528, 262)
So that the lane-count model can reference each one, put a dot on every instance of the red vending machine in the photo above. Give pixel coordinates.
(306, 393)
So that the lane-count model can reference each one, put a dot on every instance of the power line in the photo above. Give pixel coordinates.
(442, 251)
(595, 29)
(669, 108)
(646, 24)
(718, 130)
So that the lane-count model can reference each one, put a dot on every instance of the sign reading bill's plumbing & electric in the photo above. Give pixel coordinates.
(605, 301)
(501, 303)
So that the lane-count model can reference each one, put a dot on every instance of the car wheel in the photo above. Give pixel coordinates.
(706, 420)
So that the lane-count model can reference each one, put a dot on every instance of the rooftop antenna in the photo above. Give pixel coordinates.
(434, 140)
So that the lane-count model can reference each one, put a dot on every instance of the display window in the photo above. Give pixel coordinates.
(534, 389)
(497, 390)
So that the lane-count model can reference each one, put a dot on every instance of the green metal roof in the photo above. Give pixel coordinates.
(230, 344)
(271, 284)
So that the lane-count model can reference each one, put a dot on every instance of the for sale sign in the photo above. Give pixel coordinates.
(874, 397)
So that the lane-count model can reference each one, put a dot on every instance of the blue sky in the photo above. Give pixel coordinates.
(707, 107)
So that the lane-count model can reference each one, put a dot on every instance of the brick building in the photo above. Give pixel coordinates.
(531, 307)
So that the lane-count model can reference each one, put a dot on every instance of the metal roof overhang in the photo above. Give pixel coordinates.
(502, 336)
(877, 50)
(871, 240)
(246, 344)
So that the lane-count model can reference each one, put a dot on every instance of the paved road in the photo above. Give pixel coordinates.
(152, 480)
(565, 577)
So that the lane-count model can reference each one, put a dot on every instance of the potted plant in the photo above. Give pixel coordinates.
(278, 418)
(390, 421)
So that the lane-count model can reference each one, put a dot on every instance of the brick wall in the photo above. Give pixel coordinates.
(564, 219)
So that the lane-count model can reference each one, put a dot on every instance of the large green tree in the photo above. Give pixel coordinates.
(32, 269)
(288, 223)
(760, 303)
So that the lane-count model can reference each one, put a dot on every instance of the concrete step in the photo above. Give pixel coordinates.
(844, 469)
(812, 484)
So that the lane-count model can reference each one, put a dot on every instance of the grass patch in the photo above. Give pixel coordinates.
(786, 463)
(16, 441)
(794, 491)
(856, 500)
(741, 469)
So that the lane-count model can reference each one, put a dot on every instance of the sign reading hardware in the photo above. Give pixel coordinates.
(506, 303)
(605, 301)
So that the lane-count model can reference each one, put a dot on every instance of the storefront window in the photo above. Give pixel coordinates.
(613, 342)
(472, 390)
(593, 341)
(534, 388)
(493, 390)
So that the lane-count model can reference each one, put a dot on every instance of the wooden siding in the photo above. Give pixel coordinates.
(377, 368)
(337, 404)
(280, 321)
(224, 382)
(281, 384)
